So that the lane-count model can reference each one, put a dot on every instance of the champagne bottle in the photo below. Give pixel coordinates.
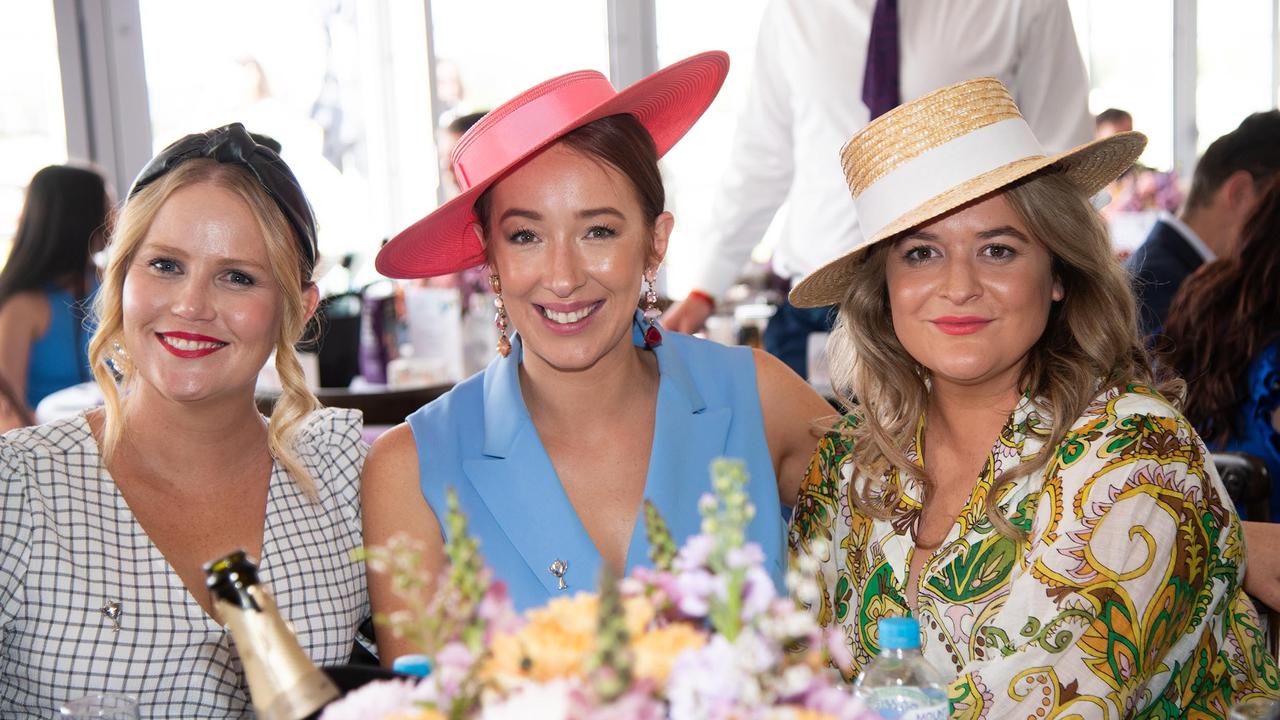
(283, 682)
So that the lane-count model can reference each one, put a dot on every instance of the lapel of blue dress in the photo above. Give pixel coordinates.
(515, 478)
(687, 436)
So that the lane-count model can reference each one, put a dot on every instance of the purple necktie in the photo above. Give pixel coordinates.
(880, 81)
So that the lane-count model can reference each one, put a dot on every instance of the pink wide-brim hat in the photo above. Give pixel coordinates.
(667, 103)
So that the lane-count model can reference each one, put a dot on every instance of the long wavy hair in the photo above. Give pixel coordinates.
(65, 213)
(1222, 317)
(1090, 343)
(288, 269)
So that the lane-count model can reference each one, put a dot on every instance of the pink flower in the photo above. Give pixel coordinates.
(374, 700)
(758, 593)
(694, 554)
(749, 555)
(638, 703)
(496, 610)
(696, 588)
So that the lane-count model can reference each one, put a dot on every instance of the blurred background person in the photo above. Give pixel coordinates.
(1136, 196)
(45, 283)
(1111, 121)
(471, 280)
(1223, 338)
(822, 70)
(1226, 185)
(449, 137)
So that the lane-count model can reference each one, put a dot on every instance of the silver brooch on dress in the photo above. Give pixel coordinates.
(559, 568)
(112, 611)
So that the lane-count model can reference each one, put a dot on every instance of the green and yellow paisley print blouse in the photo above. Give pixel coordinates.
(1124, 600)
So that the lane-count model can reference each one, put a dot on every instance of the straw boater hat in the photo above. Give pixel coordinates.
(667, 103)
(940, 151)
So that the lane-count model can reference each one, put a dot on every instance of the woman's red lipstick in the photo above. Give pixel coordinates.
(188, 350)
(960, 324)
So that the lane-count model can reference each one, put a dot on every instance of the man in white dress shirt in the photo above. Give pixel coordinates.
(805, 101)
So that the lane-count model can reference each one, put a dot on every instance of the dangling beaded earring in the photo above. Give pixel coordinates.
(652, 335)
(500, 318)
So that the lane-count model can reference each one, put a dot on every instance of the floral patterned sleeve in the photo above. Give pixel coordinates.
(1127, 598)
(813, 524)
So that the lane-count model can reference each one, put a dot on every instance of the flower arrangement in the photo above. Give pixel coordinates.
(701, 634)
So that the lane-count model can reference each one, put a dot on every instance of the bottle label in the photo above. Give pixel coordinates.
(931, 712)
(906, 703)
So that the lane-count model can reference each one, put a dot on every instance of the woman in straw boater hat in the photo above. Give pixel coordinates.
(1009, 471)
(589, 407)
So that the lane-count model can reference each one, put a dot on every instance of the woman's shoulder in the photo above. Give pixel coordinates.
(1128, 423)
(1123, 402)
(699, 348)
(60, 449)
(58, 437)
(327, 432)
(836, 444)
(26, 309)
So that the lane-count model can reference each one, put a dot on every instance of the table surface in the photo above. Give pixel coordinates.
(380, 406)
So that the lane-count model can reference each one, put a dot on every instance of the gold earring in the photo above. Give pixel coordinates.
(652, 335)
(500, 317)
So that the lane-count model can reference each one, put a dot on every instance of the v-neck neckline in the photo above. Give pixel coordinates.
(638, 542)
(1007, 452)
(195, 612)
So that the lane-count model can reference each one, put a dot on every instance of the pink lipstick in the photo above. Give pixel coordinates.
(960, 324)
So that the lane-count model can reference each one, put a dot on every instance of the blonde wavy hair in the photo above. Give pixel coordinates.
(1090, 343)
(288, 269)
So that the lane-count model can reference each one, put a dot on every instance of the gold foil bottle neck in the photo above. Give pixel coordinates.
(284, 683)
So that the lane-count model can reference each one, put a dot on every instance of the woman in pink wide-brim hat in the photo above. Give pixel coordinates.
(589, 408)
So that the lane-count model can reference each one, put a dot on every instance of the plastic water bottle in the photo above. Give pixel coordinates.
(899, 684)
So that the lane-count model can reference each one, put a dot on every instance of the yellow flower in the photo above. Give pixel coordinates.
(423, 714)
(801, 714)
(557, 639)
(655, 651)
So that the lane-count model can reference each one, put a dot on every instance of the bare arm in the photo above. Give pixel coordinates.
(1262, 563)
(393, 505)
(23, 319)
(792, 414)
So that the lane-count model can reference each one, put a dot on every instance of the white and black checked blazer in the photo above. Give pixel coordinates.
(69, 545)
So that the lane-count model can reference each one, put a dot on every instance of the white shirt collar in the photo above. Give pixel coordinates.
(1190, 235)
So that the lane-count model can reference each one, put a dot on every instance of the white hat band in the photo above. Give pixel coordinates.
(939, 169)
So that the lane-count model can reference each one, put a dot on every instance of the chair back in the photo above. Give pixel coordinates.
(335, 338)
(1247, 481)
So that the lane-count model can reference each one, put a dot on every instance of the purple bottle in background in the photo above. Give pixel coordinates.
(378, 337)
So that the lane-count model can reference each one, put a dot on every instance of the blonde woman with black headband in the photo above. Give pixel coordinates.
(106, 518)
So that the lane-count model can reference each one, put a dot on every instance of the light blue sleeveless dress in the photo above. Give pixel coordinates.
(478, 438)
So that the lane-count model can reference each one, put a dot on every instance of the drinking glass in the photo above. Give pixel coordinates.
(1255, 709)
(101, 706)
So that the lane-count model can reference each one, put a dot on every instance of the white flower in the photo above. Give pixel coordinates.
(795, 680)
(758, 593)
(707, 682)
(534, 701)
(376, 699)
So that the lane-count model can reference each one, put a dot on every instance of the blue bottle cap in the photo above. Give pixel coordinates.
(899, 633)
(419, 665)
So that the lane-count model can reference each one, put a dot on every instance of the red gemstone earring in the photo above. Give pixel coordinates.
(652, 335)
(500, 317)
